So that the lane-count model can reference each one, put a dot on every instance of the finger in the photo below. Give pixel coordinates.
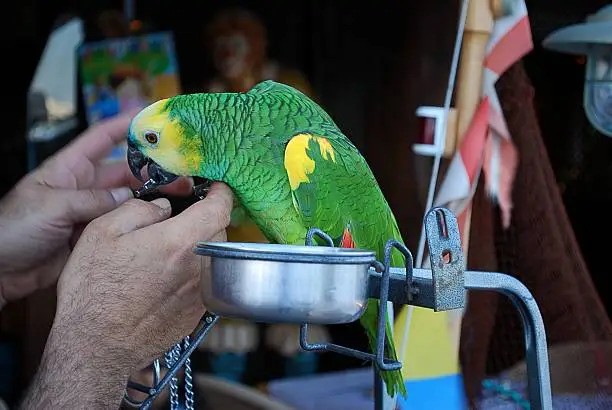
(118, 174)
(135, 214)
(98, 141)
(114, 174)
(203, 219)
(88, 204)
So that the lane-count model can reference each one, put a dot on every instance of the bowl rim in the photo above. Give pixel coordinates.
(285, 253)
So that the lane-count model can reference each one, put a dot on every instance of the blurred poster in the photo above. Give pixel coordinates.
(123, 73)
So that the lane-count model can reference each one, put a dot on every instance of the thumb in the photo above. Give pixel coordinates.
(88, 204)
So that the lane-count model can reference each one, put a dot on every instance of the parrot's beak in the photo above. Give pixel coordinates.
(137, 161)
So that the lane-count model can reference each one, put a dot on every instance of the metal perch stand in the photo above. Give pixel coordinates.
(327, 285)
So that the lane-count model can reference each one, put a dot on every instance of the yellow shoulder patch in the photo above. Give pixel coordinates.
(297, 162)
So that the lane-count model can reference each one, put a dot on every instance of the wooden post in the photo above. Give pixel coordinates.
(478, 27)
(476, 34)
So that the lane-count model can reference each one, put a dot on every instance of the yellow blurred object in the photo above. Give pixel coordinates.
(243, 229)
(164, 86)
(432, 351)
(247, 231)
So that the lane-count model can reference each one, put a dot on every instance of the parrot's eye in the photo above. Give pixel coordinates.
(151, 137)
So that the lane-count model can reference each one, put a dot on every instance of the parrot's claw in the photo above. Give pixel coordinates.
(148, 187)
(202, 189)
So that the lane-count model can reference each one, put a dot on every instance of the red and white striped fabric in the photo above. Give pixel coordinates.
(461, 178)
(487, 144)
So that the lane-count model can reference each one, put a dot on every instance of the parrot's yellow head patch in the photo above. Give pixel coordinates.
(163, 139)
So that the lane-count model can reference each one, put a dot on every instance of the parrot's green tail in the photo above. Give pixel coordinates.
(393, 379)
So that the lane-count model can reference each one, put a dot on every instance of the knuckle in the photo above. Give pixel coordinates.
(94, 230)
(222, 215)
(142, 208)
(134, 203)
(147, 208)
(214, 220)
(90, 196)
(155, 212)
(227, 197)
(222, 195)
(96, 225)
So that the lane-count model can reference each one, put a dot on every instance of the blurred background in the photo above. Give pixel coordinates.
(370, 65)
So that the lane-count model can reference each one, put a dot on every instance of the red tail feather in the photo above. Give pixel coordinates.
(347, 239)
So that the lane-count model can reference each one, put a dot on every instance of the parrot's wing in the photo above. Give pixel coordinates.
(334, 190)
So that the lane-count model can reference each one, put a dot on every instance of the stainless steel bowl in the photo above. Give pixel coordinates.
(285, 283)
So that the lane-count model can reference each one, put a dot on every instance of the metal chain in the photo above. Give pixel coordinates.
(176, 355)
(171, 357)
(188, 380)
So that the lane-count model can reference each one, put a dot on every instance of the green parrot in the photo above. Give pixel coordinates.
(289, 165)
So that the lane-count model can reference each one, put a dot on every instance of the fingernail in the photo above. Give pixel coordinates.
(120, 195)
(163, 203)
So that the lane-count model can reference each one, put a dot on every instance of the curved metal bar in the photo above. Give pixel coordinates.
(207, 322)
(538, 372)
(316, 231)
(381, 334)
(378, 356)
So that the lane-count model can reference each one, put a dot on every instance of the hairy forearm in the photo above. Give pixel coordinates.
(77, 372)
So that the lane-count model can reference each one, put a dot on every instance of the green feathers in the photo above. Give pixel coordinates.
(290, 167)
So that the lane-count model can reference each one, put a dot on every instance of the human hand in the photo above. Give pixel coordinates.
(129, 291)
(42, 215)
(133, 276)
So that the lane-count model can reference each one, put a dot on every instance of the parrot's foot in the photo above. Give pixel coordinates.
(149, 187)
(202, 189)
